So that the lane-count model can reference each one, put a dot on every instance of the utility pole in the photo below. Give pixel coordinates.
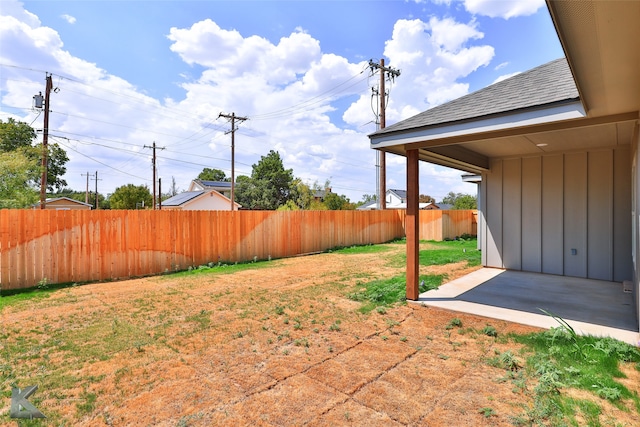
(86, 193)
(153, 165)
(45, 142)
(96, 179)
(160, 194)
(233, 119)
(393, 73)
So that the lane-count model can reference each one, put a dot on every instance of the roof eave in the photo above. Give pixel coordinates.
(558, 111)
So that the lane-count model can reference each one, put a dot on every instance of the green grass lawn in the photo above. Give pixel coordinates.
(393, 290)
(441, 253)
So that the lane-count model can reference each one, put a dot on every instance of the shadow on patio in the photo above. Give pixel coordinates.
(592, 307)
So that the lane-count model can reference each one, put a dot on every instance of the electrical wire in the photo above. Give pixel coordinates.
(102, 163)
(311, 101)
(302, 107)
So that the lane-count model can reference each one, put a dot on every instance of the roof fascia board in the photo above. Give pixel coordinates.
(520, 119)
(540, 128)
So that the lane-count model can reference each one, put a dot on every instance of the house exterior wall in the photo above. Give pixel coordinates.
(565, 214)
(207, 202)
(394, 201)
(635, 214)
(66, 205)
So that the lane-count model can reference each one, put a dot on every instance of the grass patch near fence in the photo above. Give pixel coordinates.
(452, 251)
(441, 253)
(360, 249)
(391, 291)
(221, 268)
(44, 289)
(387, 292)
(13, 297)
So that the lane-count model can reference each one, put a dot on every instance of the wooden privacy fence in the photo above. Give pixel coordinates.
(83, 246)
(441, 225)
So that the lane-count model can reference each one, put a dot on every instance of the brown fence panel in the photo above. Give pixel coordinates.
(431, 225)
(5, 248)
(456, 223)
(80, 246)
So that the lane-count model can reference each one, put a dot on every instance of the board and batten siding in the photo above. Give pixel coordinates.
(565, 214)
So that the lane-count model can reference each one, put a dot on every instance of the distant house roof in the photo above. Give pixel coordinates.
(182, 198)
(367, 206)
(64, 201)
(402, 194)
(546, 84)
(200, 200)
(213, 184)
(321, 193)
(443, 206)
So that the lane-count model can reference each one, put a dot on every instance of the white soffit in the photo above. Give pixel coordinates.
(601, 40)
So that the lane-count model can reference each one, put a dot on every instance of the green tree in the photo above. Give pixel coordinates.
(424, 198)
(19, 135)
(14, 135)
(466, 201)
(301, 197)
(460, 201)
(337, 202)
(450, 198)
(131, 197)
(56, 160)
(209, 174)
(16, 171)
(269, 187)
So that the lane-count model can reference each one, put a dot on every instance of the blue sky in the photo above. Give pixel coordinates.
(130, 73)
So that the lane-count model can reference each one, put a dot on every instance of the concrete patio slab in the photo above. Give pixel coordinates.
(592, 307)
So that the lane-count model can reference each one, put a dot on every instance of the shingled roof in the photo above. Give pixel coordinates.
(547, 84)
(182, 198)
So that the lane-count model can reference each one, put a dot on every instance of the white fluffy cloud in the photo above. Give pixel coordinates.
(432, 57)
(70, 19)
(310, 105)
(503, 8)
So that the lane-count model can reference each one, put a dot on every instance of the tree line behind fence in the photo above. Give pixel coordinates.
(83, 246)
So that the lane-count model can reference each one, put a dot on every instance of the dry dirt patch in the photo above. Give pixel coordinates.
(276, 346)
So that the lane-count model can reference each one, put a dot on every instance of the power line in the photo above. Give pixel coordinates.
(296, 109)
(102, 163)
(153, 162)
(382, 94)
(233, 118)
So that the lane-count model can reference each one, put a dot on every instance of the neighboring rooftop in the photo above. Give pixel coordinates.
(182, 198)
(213, 184)
(546, 84)
(402, 194)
